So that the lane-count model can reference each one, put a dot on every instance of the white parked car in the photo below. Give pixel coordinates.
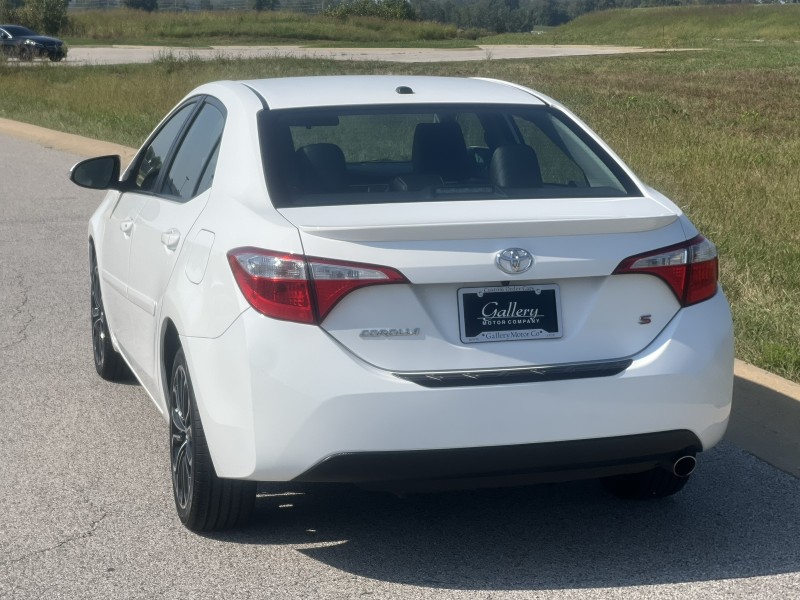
(403, 280)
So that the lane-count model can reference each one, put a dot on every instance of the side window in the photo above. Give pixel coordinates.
(192, 170)
(150, 166)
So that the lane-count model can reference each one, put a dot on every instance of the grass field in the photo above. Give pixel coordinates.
(249, 28)
(675, 27)
(717, 130)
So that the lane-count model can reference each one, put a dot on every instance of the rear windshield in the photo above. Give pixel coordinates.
(373, 155)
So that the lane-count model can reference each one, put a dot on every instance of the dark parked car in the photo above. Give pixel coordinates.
(24, 44)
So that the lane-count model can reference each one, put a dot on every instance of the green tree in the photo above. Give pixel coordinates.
(145, 5)
(260, 5)
(45, 16)
(9, 11)
(395, 10)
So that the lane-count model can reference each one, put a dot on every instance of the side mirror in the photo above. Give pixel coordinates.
(99, 173)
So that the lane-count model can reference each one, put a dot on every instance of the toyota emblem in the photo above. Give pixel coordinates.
(514, 260)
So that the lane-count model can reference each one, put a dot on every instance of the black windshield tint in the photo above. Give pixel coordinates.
(370, 155)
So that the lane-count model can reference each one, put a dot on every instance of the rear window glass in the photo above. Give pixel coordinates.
(371, 155)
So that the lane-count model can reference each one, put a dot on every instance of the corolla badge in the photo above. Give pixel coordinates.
(514, 260)
(390, 333)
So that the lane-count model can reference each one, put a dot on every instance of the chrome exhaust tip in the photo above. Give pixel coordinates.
(684, 466)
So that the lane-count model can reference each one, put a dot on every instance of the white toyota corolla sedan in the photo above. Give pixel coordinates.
(395, 280)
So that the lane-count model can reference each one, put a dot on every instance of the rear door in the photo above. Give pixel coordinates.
(181, 191)
(121, 228)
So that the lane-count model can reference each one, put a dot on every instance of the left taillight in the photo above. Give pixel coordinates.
(690, 269)
(293, 287)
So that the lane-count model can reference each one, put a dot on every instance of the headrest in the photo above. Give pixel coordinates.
(322, 168)
(515, 166)
(439, 149)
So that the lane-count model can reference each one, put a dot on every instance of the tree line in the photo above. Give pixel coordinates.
(498, 16)
(501, 16)
(45, 16)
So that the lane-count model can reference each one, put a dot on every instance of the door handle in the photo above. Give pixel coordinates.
(170, 238)
(126, 226)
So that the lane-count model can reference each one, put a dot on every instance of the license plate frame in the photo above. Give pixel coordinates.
(509, 313)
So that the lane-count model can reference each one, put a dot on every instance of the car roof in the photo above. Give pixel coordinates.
(354, 90)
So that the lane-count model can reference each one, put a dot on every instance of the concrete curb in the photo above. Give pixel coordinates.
(778, 384)
(67, 142)
(765, 419)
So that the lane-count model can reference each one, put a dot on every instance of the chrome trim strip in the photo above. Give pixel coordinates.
(531, 374)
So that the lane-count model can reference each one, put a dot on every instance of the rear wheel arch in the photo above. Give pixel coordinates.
(170, 344)
(203, 501)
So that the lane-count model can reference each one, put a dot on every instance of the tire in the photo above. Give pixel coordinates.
(653, 484)
(24, 53)
(56, 57)
(107, 361)
(204, 501)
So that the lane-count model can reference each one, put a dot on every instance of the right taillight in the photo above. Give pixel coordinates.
(690, 269)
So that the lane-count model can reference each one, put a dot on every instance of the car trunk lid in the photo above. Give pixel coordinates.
(448, 252)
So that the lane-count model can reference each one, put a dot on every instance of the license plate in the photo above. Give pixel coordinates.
(509, 313)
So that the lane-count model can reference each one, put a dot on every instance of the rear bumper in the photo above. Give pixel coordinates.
(551, 461)
(281, 401)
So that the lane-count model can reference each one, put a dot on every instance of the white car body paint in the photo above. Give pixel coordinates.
(278, 398)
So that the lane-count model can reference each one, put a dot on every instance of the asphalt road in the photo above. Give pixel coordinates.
(86, 508)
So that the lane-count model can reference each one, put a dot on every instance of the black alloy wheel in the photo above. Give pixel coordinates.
(181, 438)
(107, 361)
(204, 501)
